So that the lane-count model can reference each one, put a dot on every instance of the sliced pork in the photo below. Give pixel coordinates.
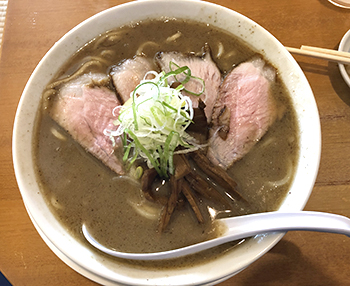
(243, 112)
(127, 75)
(85, 109)
(201, 67)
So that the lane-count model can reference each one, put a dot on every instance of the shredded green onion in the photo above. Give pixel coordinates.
(153, 121)
(187, 72)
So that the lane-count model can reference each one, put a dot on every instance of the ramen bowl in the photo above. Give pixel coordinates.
(91, 263)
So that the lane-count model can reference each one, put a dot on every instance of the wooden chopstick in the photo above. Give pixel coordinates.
(321, 53)
(326, 51)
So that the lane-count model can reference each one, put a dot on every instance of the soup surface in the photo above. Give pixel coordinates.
(80, 189)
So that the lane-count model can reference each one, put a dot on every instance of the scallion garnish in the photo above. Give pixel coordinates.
(153, 121)
(188, 77)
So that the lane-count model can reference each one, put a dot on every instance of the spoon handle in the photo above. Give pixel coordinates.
(251, 225)
(245, 226)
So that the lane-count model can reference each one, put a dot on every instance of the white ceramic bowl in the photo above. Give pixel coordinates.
(344, 46)
(341, 3)
(85, 261)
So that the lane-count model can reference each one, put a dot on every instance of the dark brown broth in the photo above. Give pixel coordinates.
(81, 189)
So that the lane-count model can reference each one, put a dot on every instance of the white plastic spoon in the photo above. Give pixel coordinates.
(243, 227)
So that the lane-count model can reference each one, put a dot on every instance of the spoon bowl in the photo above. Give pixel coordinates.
(243, 227)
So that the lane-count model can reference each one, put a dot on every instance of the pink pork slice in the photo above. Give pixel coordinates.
(127, 75)
(202, 67)
(85, 110)
(245, 92)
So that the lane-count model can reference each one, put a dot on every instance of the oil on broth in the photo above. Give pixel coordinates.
(80, 189)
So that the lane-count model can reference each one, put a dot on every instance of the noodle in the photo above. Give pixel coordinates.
(107, 53)
(95, 58)
(107, 40)
(47, 95)
(230, 54)
(220, 50)
(286, 179)
(79, 72)
(58, 134)
(174, 37)
(140, 52)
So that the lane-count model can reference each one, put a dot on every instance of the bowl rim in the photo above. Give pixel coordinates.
(340, 3)
(344, 46)
(22, 172)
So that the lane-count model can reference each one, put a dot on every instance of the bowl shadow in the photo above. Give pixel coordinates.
(288, 264)
(332, 71)
(338, 83)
